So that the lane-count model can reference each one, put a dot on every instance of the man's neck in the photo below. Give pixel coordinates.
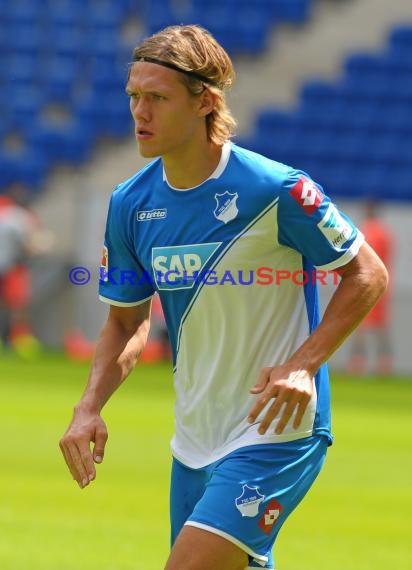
(194, 167)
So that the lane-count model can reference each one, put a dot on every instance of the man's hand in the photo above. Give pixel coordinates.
(288, 387)
(85, 428)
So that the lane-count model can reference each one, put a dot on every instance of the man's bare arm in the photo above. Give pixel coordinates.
(121, 341)
(363, 281)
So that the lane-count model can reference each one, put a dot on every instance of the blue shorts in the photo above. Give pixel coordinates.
(246, 496)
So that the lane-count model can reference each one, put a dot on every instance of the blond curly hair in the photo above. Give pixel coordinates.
(194, 49)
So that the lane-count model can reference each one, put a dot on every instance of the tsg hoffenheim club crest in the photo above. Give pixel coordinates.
(249, 501)
(226, 208)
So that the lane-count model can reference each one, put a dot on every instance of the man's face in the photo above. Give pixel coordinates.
(167, 117)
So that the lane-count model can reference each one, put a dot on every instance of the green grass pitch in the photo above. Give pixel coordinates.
(357, 516)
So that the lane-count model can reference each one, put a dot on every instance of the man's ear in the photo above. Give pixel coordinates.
(208, 102)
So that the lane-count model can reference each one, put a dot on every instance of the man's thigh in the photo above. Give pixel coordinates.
(244, 498)
(197, 549)
(186, 489)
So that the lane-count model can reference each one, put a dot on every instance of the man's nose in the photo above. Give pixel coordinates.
(140, 109)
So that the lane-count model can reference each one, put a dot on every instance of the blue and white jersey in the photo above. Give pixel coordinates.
(233, 260)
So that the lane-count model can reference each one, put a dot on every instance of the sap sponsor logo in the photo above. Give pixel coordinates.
(147, 215)
(335, 228)
(307, 195)
(182, 264)
(270, 516)
(248, 502)
(226, 208)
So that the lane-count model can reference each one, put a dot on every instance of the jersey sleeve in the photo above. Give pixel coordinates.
(310, 223)
(123, 281)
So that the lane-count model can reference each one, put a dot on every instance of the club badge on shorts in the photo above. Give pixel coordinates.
(248, 502)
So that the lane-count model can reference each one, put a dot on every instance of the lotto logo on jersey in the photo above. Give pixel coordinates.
(147, 215)
(179, 267)
(270, 516)
(307, 195)
(335, 228)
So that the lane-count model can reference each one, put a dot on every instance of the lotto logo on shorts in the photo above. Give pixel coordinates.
(307, 195)
(270, 516)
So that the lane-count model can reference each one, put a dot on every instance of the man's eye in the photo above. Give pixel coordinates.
(158, 97)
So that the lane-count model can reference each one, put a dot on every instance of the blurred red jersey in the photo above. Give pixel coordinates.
(379, 238)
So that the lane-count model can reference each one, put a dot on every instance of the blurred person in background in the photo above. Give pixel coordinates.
(376, 325)
(252, 411)
(21, 237)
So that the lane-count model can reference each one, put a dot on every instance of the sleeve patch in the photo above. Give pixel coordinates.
(336, 230)
(104, 264)
(307, 195)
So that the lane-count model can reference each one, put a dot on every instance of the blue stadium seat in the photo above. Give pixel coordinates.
(272, 118)
(296, 11)
(132, 7)
(338, 178)
(21, 12)
(272, 124)
(21, 72)
(373, 180)
(107, 115)
(70, 44)
(383, 148)
(367, 90)
(365, 66)
(64, 17)
(118, 121)
(159, 14)
(310, 145)
(319, 91)
(4, 39)
(59, 82)
(252, 30)
(106, 17)
(107, 76)
(103, 46)
(400, 184)
(26, 166)
(25, 104)
(87, 109)
(26, 41)
(325, 113)
(396, 118)
(68, 142)
(401, 37)
(359, 116)
(219, 22)
(399, 63)
(76, 142)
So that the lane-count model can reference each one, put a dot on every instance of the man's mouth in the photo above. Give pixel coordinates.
(143, 134)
